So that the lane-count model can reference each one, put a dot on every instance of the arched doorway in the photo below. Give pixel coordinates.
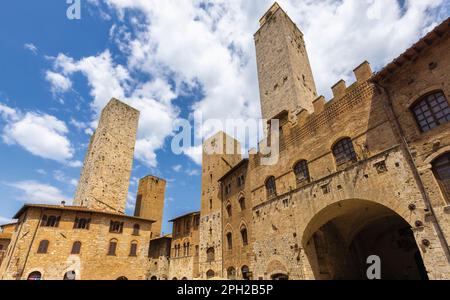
(210, 274)
(154, 278)
(35, 276)
(122, 278)
(71, 275)
(340, 238)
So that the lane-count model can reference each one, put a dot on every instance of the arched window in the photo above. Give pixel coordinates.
(301, 172)
(242, 203)
(231, 273)
(122, 278)
(441, 169)
(43, 247)
(230, 240)
(431, 111)
(76, 248)
(184, 278)
(229, 210)
(112, 247)
(35, 276)
(71, 275)
(133, 248)
(154, 278)
(245, 272)
(210, 274)
(244, 236)
(174, 278)
(136, 229)
(344, 152)
(188, 246)
(210, 256)
(271, 187)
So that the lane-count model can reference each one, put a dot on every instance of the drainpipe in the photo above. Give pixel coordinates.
(412, 163)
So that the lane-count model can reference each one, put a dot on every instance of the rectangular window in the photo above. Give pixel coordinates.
(116, 227)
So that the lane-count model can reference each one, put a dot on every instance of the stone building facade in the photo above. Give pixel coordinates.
(365, 173)
(184, 258)
(6, 232)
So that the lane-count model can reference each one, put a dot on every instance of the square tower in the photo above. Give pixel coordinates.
(220, 154)
(106, 172)
(150, 201)
(286, 81)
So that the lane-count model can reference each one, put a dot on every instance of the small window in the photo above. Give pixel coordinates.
(136, 229)
(50, 221)
(112, 247)
(116, 227)
(244, 236)
(441, 169)
(81, 223)
(431, 111)
(1, 247)
(301, 172)
(210, 256)
(242, 203)
(133, 249)
(210, 274)
(229, 210)
(344, 152)
(43, 247)
(230, 240)
(271, 187)
(188, 225)
(241, 180)
(76, 248)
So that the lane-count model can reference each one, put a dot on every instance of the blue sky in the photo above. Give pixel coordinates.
(169, 59)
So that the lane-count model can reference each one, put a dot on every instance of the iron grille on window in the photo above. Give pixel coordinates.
(431, 111)
(271, 187)
(441, 168)
(344, 152)
(301, 172)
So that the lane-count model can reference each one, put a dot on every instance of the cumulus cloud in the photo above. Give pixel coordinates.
(186, 46)
(35, 192)
(4, 220)
(59, 83)
(42, 135)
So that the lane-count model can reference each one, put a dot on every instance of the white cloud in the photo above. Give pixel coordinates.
(4, 220)
(41, 171)
(63, 178)
(59, 83)
(31, 47)
(40, 134)
(193, 172)
(38, 193)
(177, 168)
(209, 45)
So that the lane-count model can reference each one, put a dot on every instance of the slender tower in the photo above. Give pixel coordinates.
(105, 177)
(286, 81)
(150, 201)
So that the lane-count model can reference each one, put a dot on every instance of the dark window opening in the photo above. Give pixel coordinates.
(344, 152)
(431, 111)
(271, 187)
(43, 247)
(76, 248)
(301, 172)
(441, 169)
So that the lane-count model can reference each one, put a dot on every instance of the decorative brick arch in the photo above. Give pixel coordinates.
(429, 160)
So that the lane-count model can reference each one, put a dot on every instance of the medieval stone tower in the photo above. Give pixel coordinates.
(150, 201)
(220, 153)
(286, 81)
(107, 166)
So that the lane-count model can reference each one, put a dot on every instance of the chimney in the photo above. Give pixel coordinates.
(363, 72)
(339, 89)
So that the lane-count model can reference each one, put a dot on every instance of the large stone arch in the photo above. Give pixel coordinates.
(276, 265)
(340, 237)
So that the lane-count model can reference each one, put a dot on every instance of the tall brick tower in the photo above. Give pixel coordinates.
(150, 201)
(286, 81)
(107, 166)
(216, 162)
